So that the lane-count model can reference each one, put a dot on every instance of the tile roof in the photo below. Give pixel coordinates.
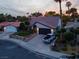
(51, 21)
(16, 24)
(72, 24)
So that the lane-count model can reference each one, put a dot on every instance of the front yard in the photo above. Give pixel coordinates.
(68, 44)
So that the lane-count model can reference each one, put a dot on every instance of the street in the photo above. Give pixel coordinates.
(10, 50)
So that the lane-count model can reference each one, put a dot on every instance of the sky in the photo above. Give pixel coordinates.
(22, 7)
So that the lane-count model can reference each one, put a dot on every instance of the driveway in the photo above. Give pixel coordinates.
(36, 44)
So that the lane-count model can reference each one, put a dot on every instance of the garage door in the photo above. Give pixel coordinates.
(10, 29)
(44, 31)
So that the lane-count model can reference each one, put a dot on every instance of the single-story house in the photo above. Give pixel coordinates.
(45, 24)
(10, 26)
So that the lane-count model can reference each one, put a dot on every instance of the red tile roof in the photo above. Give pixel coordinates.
(16, 24)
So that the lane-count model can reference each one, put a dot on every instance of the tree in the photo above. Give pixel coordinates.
(2, 18)
(69, 36)
(24, 26)
(65, 19)
(60, 1)
(36, 14)
(9, 18)
(50, 13)
(73, 12)
(22, 18)
(68, 4)
(18, 18)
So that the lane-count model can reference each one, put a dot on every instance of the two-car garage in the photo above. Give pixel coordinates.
(43, 29)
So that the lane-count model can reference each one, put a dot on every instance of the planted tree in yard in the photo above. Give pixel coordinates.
(22, 26)
(65, 19)
(69, 36)
(34, 29)
(27, 25)
(60, 1)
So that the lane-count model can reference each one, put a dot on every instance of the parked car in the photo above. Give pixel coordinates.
(49, 38)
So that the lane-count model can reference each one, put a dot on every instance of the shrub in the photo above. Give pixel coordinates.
(23, 33)
(1, 28)
(76, 31)
(63, 30)
(68, 36)
(71, 29)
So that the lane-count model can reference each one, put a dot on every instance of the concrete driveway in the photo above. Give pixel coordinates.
(36, 44)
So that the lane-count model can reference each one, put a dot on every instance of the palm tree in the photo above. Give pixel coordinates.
(73, 12)
(60, 1)
(68, 4)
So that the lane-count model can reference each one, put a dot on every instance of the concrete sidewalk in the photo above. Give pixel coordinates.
(35, 45)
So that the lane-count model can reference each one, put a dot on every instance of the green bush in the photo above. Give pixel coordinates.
(76, 31)
(23, 33)
(63, 30)
(1, 28)
(68, 36)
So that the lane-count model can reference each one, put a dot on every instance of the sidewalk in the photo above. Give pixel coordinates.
(35, 45)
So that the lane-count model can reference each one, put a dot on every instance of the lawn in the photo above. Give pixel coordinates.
(23, 33)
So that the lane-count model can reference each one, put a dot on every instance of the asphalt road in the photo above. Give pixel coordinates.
(10, 50)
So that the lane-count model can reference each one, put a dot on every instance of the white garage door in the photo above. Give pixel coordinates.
(10, 29)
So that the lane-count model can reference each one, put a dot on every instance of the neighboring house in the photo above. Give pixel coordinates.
(72, 25)
(10, 26)
(45, 24)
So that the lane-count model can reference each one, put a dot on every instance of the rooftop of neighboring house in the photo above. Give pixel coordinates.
(16, 24)
(72, 24)
(51, 21)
